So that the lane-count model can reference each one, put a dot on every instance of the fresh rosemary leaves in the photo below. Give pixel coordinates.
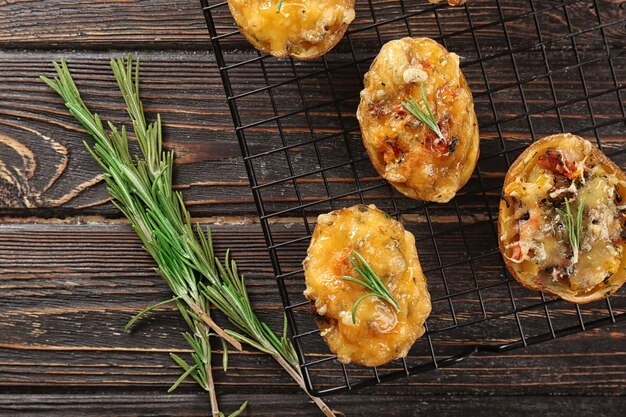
(371, 281)
(574, 224)
(142, 188)
(425, 116)
(280, 4)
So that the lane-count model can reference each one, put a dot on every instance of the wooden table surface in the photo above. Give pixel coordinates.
(72, 272)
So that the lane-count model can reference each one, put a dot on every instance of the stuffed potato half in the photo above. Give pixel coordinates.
(409, 154)
(377, 333)
(561, 221)
(303, 29)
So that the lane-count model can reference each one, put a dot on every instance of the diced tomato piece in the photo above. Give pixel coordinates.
(400, 110)
(516, 253)
(425, 64)
(436, 145)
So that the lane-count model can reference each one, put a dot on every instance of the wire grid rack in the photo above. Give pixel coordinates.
(535, 68)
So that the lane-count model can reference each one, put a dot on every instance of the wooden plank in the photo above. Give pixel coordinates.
(68, 289)
(51, 174)
(37, 133)
(592, 363)
(165, 24)
(68, 285)
(262, 405)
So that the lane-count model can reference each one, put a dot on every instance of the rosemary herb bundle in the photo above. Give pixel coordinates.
(141, 187)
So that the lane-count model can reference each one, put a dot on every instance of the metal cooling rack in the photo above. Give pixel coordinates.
(535, 67)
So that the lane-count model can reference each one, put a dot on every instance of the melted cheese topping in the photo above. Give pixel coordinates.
(301, 28)
(403, 150)
(534, 234)
(380, 334)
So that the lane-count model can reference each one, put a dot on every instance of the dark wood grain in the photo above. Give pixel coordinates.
(51, 174)
(161, 24)
(72, 272)
(190, 405)
(53, 171)
(65, 302)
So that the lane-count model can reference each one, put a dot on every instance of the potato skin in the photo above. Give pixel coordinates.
(404, 151)
(304, 30)
(519, 169)
(380, 334)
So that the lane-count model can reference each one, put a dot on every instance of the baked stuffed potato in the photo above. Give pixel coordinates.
(376, 331)
(561, 221)
(417, 160)
(303, 29)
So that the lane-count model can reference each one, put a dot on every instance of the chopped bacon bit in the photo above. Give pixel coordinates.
(393, 151)
(570, 169)
(425, 64)
(561, 181)
(552, 161)
(378, 111)
(400, 110)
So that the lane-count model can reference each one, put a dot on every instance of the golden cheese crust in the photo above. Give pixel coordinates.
(403, 150)
(556, 174)
(380, 334)
(303, 29)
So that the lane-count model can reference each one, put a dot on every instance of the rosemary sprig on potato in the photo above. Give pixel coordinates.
(574, 224)
(425, 116)
(370, 280)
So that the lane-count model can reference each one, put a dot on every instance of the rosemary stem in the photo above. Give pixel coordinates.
(216, 328)
(215, 409)
(300, 381)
